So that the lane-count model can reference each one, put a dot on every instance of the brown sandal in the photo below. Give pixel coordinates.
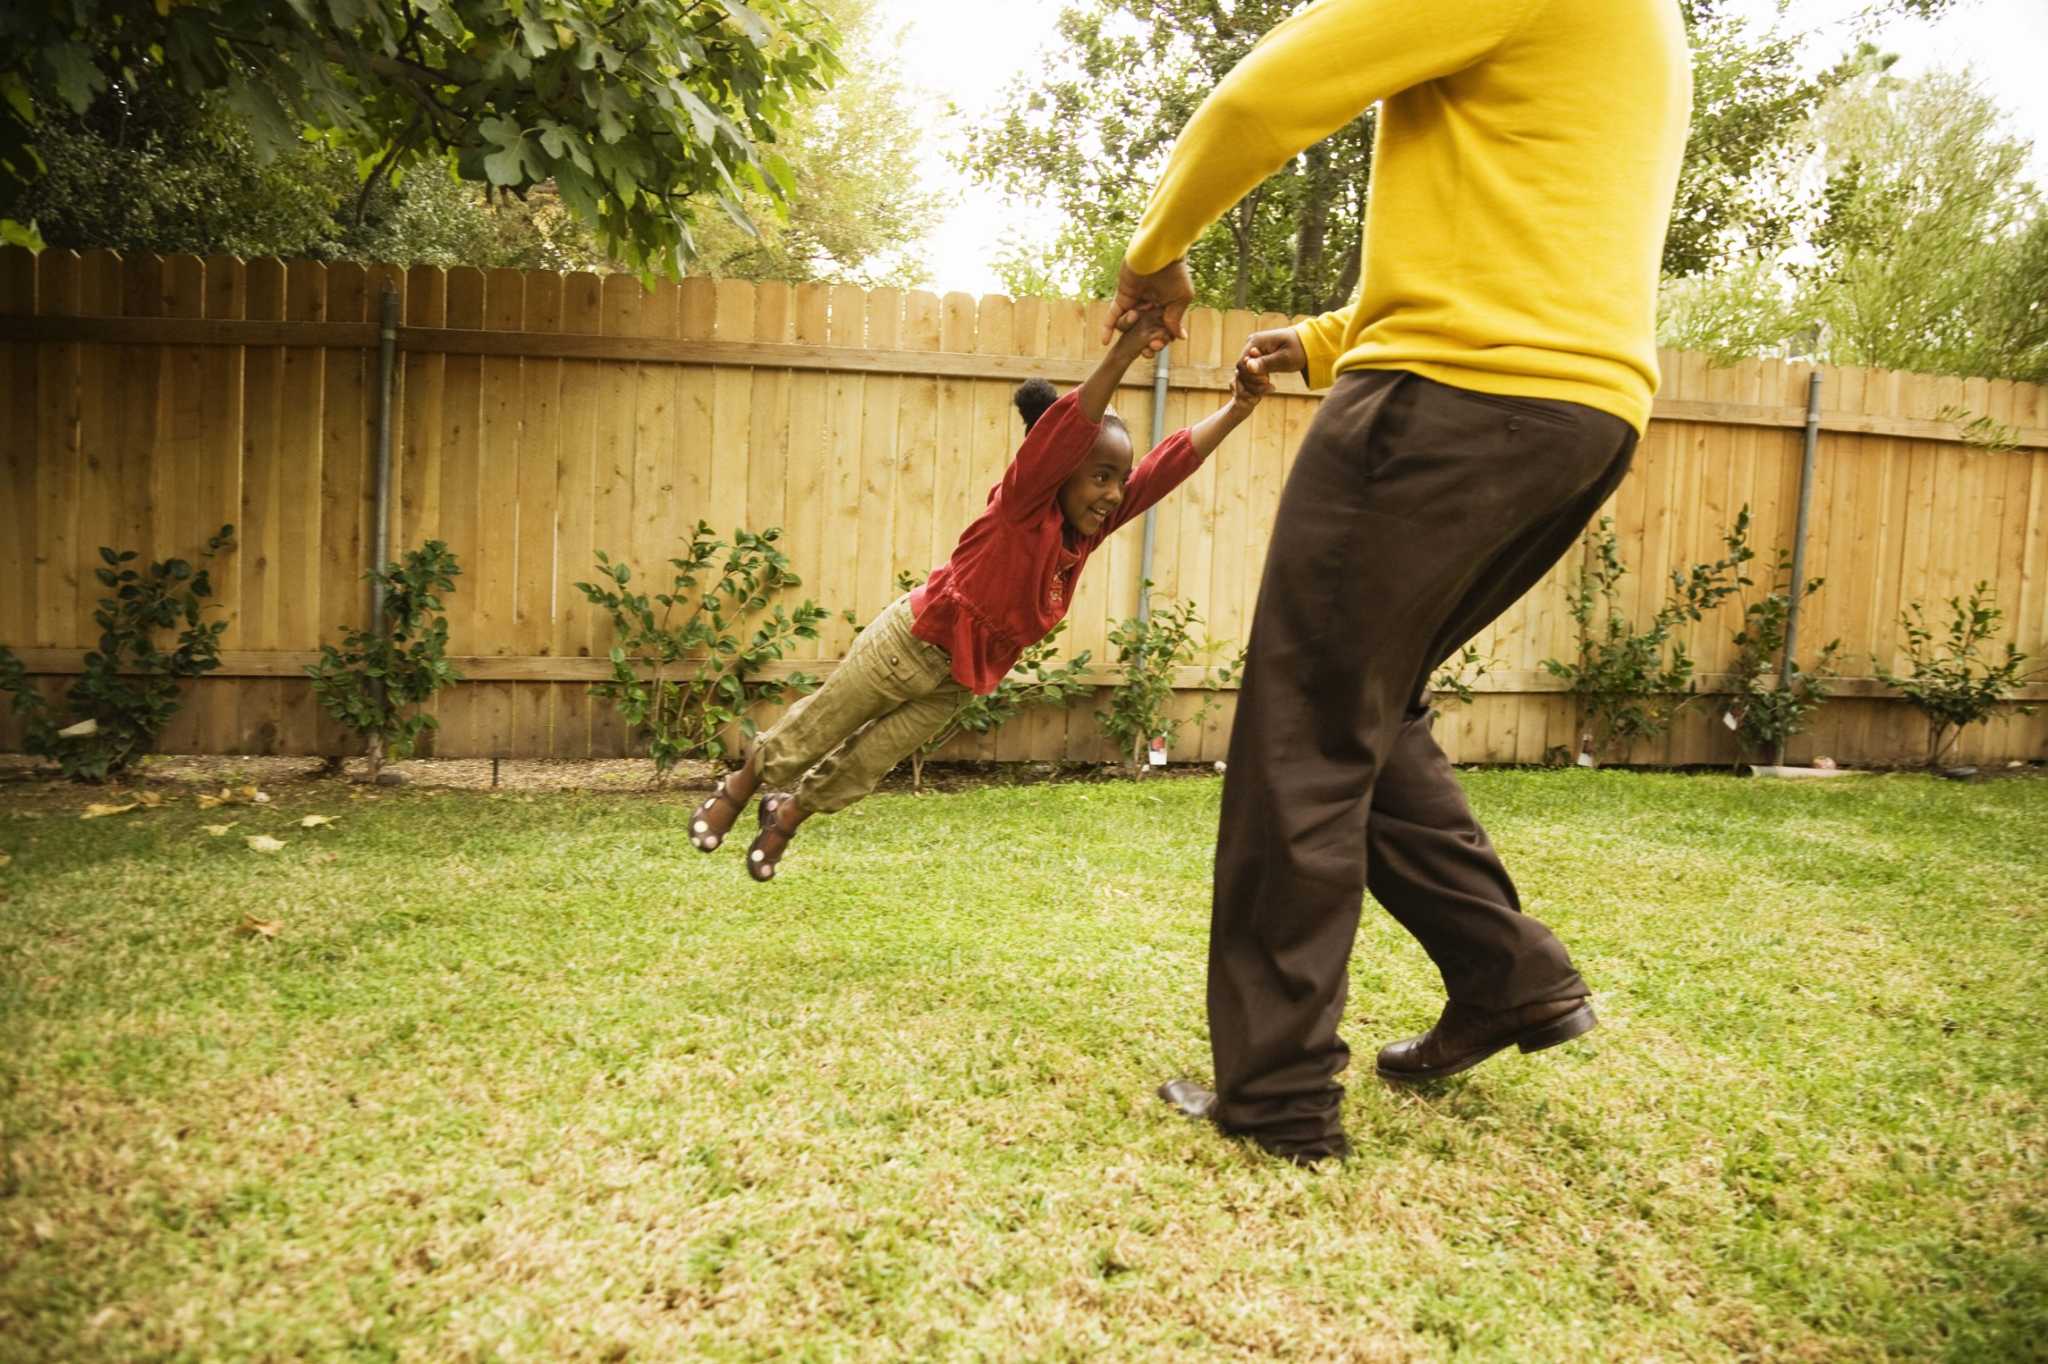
(773, 840)
(703, 837)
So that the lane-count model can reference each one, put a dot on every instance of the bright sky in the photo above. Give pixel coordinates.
(963, 52)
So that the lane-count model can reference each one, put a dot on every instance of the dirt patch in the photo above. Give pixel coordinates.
(29, 781)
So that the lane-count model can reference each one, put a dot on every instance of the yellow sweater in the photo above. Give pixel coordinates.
(1522, 178)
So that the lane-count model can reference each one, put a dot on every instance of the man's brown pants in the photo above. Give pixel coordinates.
(1415, 514)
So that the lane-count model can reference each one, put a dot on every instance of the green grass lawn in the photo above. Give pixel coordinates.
(525, 1077)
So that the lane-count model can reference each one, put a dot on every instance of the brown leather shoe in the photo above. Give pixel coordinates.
(1465, 1036)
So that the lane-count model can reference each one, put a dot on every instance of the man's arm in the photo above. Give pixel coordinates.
(1312, 74)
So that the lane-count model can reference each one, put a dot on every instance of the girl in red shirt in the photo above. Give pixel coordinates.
(1010, 580)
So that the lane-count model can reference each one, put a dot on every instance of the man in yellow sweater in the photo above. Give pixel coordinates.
(1488, 386)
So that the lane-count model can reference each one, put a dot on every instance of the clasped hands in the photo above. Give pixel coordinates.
(1168, 292)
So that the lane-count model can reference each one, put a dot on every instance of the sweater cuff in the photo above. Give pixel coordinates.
(1146, 255)
(1322, 359)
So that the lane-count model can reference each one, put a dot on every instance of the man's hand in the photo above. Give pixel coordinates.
(1275, 352)
(1170, 289)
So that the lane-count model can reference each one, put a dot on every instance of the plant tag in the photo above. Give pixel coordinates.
(1157, 754)
(1728, 719)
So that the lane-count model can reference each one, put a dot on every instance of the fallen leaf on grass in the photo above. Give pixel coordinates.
(152, 799)
(260, 928)
(99, 811)
(264, 843)
(233, 795)
(216, 830)
(326, 857)
(315, 821)
(5, 858)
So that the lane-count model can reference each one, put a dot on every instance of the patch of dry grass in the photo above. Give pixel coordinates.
(523, 1077)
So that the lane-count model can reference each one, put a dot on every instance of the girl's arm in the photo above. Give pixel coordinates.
(1181, 453)
(1246, 389)
(1060, 440)
(1129, 344)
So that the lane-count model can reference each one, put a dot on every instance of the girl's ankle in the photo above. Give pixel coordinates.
(741, 784)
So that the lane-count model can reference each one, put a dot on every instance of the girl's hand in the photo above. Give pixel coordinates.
(1275, 352)
(1138, 333)
(1247, 387)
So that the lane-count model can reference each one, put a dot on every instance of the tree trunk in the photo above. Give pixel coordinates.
(1241, 291)
(374, 751)
(1312, 232)
(1243, 223)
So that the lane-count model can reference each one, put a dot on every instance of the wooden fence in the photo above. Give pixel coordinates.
(541, 417)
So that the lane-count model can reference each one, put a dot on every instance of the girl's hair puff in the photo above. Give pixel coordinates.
(1034, 396)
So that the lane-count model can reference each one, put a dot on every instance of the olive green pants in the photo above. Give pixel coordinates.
(892, 692)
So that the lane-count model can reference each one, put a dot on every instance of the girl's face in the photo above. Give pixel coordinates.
(1096, 490)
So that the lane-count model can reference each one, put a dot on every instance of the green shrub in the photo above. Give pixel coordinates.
(1150, 651)
(1774, 697)
(129, 689)
(1453, 683)
(684, 671)
(1953, 682)
(1630, 682)
(375, 683)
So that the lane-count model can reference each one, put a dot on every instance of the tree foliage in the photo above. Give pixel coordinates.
(1751, 104)
(1926, 248)
(856, 208)
(1093, 131)
(639, 114)
(154, 170)
(1935, 243)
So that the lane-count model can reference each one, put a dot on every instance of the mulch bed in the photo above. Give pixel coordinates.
(25, 779)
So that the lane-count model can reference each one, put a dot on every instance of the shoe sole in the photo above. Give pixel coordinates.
(1556, 1032)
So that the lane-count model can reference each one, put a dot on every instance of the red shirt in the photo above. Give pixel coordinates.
(1011, 577)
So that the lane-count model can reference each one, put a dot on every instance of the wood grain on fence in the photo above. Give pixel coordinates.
(540, 418)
